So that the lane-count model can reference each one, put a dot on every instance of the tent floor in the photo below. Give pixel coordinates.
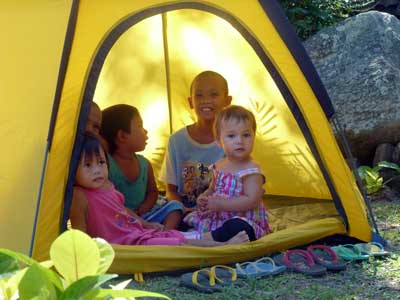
(295, 221)
(285, 212)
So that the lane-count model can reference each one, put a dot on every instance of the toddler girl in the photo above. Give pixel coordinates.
(98, 209)
(236, 188)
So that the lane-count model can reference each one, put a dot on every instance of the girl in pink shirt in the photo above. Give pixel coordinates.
(98, 209)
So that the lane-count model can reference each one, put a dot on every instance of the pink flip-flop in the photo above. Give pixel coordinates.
(325, 256)
(299, 261)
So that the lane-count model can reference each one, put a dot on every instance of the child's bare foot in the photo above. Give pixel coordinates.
(240, 238)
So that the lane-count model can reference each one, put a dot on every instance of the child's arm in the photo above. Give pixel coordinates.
(172, 192)
(151, 193)
(253, 192)
(79, 210)
(144, 223)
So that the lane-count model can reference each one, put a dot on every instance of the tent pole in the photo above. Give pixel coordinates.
(346, 147)
(167, 67)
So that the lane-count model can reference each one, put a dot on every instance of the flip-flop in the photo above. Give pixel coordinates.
(349, 252)
(201, 280)
(325, 256)
(372, 249)
(299, 261)
(223, 274)
(262, 267)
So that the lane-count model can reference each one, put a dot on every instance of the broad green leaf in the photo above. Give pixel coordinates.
(106, 255)
(389, 165)
(121, 285)
(6, 292)
(47, 264)
(8, 264)
(35, 283)
(75, 255)
(372, 175)
(18, 256)
(14, 280)
(362, 171)
(6, 276)
(106, 293)
(376, 169)
(79, 288)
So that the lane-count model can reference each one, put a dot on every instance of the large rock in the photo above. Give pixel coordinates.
(359, 63)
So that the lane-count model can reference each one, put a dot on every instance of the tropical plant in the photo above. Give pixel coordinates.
(371, 177)
(76, 271)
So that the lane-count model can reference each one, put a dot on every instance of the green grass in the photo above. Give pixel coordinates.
(373, 279)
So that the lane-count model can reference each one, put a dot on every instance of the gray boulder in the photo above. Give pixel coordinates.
(358, 61)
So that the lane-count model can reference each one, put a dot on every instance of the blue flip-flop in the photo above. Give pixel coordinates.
(262, 267)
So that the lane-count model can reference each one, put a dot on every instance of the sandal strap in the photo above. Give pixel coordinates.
(353, 248)
(213, 270)
(303, 253)
(379, 245)
(240, 266)
(324, 248)
(207, 272)
(266, 259)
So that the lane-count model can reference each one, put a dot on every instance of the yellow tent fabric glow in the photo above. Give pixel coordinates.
(145, 53)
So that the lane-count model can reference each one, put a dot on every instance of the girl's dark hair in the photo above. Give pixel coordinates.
(91, 146)
(115, 118)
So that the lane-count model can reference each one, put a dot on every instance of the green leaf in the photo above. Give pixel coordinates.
(8, 264)
(6, 292)
(79, 288)
(106, 255)
(14, 280)
(121, 285)
(36, 283)
(389, 165)
(372, 175)
(104, 293)
(362, 171)
(18, 256)
(75, 255)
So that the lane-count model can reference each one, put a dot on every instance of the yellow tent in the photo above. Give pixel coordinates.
(61, 55)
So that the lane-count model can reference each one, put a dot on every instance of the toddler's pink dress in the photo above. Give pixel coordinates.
(230, 185)
(109, 219)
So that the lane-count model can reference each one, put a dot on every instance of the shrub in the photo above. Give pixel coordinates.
(310, 16)
(76, 271)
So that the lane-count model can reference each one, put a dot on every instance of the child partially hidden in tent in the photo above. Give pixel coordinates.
(98, 209)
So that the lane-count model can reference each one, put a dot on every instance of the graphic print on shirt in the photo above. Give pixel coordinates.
(124, 219)
(196, 179)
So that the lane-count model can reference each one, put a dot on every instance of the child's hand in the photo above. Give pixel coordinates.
(188, 209)
(213, 204)
(202, 202)
(153, 225)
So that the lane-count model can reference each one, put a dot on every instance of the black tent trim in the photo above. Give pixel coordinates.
(292, 41)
